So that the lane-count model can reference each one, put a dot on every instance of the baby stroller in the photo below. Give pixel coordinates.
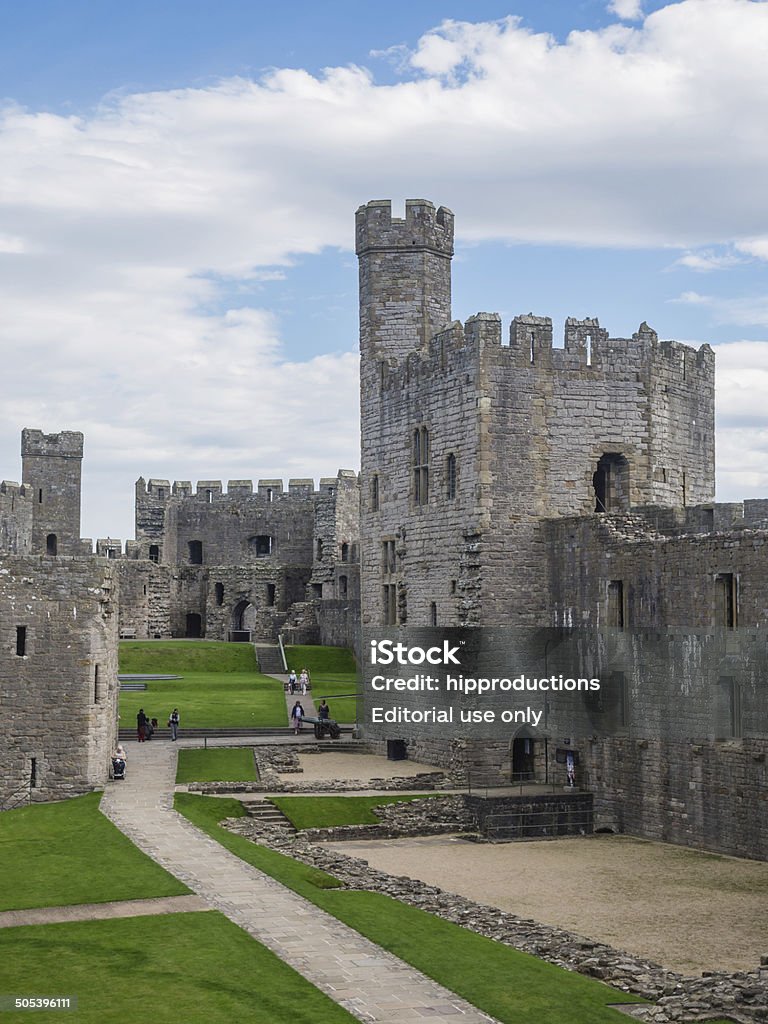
(118, 768)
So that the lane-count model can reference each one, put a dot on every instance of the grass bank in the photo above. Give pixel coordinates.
(54, 855)
(330, 811)
(220, 688)
(216, 764)
(196, 968)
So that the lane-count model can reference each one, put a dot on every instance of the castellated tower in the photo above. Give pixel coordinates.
(405, 276)
(470, 441)
(51, 466)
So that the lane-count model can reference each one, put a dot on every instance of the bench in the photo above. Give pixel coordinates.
(128, 634)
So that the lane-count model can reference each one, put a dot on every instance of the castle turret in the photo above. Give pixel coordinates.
(405, 276)
(52, 465)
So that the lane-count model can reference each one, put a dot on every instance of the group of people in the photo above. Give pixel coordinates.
(302, 683)
(146, 726)
(298, 714)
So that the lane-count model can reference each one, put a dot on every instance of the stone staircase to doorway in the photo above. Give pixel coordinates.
(270, 660)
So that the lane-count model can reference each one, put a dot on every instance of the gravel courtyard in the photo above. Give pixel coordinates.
(686, 910)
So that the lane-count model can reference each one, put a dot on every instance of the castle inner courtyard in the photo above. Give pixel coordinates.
(686, 910)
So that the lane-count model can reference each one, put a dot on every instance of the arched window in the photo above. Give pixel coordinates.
(219, 592)
(345, 552)
(51, 544)
(154, 553)
(195, 552)
(421, 466)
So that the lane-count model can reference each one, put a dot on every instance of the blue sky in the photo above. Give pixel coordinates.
(179, 180)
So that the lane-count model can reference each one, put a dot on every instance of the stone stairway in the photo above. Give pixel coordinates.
(270, 660)
(266, 813)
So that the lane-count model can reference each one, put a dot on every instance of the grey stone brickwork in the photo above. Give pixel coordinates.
(253, 560)
(58, 678)
(51, 466)
(509, 482)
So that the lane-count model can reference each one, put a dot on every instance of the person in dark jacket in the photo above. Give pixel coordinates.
(141, 725)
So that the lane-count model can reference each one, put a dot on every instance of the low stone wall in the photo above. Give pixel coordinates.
(428, 817)
(742, 996)
(533, 817)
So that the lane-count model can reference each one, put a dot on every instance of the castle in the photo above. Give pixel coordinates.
(567, 492)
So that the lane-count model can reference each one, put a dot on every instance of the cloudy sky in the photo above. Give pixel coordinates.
(178, 183)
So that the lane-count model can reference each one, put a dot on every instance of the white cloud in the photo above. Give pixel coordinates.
(706, 260)
(123, 227)
(693, 299)
(757, 247)
(628, 10)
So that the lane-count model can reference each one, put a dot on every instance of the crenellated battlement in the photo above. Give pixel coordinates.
(588, 353)
(15, 490)
(424, 227)
(159, 492)
(67, 444)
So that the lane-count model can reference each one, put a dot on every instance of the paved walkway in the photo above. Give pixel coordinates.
(360, 976)
(102, 911)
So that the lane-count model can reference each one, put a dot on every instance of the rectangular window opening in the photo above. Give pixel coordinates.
(21, 641)
(726, 600)
(616, 610)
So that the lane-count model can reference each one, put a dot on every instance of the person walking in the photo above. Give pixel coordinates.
(304, 682)
(173, 723)
(297, 716)
(292, 682)
(141, 725)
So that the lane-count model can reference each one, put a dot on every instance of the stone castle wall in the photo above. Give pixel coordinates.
(52, 467)
(15, 518)
(59, 697)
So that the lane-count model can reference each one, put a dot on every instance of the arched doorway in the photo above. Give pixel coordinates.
(243, 620)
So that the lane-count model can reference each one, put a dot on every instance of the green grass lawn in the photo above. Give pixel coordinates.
(191, 968)
(68, 852)
(329, 811)
(512, 986)
(332, 671)
(220, 687)
(216, 764)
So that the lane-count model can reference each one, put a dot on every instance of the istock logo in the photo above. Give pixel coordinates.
(385, 652)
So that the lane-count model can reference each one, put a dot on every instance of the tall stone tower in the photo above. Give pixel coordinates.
(405, 276)
(51, 464)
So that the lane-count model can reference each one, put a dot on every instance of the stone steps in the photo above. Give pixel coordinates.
(266, 813)
(270, 660)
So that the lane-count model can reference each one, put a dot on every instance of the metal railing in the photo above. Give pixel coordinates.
(550, 824)
(282, 651)
(480, 783)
